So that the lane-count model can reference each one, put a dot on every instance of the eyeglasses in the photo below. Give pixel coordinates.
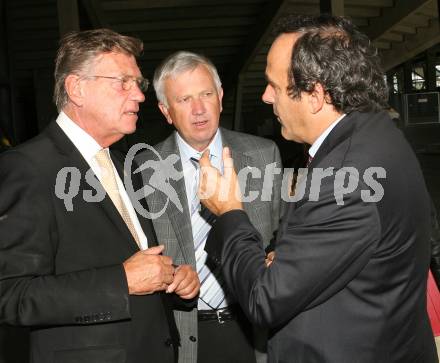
(127, 82)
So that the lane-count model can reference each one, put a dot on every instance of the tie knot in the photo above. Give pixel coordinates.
(103, 158)
(195, 161)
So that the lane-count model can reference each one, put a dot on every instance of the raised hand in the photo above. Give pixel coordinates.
(219, 193)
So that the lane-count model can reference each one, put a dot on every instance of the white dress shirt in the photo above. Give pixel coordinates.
(187, 152)
(88, 147)
(318, 142)
(191, 179)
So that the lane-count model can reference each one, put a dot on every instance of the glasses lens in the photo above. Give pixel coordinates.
(127, 83)
(143, 84)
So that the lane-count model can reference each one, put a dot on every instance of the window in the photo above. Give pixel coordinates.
(397, 81)
(418, 77)
(437, 75)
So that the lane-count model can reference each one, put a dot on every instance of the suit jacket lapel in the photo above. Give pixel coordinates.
(144, 222)
(180, 220)
(341, 131)
(75, 159)
(240, 157)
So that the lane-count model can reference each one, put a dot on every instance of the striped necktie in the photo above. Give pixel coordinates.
(211, 281)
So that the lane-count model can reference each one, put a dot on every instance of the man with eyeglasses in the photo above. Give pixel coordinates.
(87, 275)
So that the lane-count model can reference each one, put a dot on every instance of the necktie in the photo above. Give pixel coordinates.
(309, 160)
(211, 281)
(108, 181)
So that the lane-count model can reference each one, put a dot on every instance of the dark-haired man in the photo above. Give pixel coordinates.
(348, 281)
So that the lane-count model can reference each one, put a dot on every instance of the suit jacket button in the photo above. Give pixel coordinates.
(168, 342)
(193, 338)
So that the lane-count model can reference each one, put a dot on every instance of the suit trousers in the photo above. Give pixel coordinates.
(226, 342)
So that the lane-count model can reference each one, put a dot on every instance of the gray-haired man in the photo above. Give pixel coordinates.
(190, 97)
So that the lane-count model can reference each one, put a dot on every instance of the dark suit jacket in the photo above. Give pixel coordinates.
(348, 284)
(61, 271)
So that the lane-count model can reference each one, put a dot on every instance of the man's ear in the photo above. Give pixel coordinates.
(220, 97)
(165, 112)
(317, 98)
(73, 87)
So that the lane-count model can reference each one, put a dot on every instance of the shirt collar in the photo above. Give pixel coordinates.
(187, 151)
(318, 142)
(86, 144)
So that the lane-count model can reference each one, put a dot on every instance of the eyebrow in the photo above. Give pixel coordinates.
(179, 97)
(268, 80)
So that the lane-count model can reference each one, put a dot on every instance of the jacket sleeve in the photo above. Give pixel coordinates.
(278, 206)
(321, 247)
(435, 245)
(31, 292)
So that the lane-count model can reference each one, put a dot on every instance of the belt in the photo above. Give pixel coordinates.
(221, 315)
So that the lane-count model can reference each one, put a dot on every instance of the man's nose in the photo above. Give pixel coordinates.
(137, 94)
(198, 107)
(267, 95)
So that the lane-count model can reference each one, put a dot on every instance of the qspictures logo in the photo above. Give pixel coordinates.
(157, 174)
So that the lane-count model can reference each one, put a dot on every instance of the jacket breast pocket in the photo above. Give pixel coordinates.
(92, 354)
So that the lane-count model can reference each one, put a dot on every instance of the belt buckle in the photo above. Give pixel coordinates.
(219, 317)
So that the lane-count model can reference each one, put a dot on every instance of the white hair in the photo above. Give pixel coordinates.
(178, 63)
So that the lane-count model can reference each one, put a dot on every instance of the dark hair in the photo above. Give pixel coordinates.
(78, 50)
(332, 52)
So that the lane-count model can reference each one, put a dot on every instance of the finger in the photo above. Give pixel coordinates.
(178, 278)
(186, 288)
(162, 287)
(168, 278)
(228, 162)
(226, 153)
(192, 282)
(204, 160)
(191, 294)
(181, 278)
(208, 181)
(156, 250)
